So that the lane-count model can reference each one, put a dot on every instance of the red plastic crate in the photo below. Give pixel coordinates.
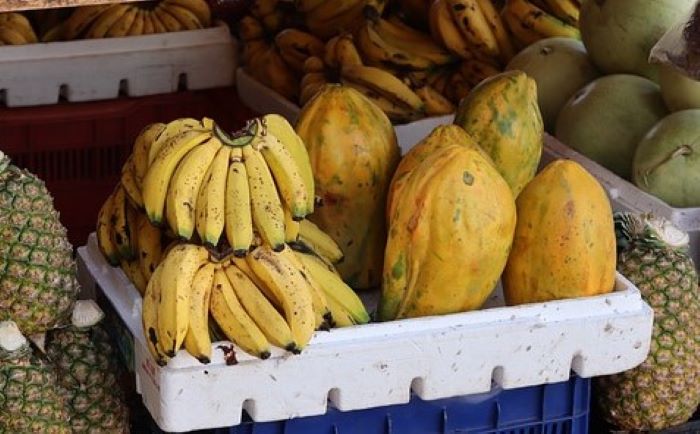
(78, 148)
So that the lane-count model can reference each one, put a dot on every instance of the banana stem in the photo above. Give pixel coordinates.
(238, 138)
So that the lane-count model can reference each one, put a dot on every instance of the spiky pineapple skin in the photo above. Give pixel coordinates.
(38, 284)
(665, 389)
(88, 367)
(31, 398)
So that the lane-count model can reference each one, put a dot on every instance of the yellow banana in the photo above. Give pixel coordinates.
(262, 8)
(398, 113)
(238, 218)
(319, 242)
(250, 28)
(106, 20)
(566, 10)
(341, 316)
(330, 10)
(384, 83)
(171, 129)
(544, 24)
(291, 226)
(197, 340)
(378, 51)
(187, 19)
(180, 266)
(444, 29)
(148, 28)
(253, 51)
(184, 187)
(81, 19)
(130, 184)
(309, 5)
(271, 69)
(522, 35)
(133, 272)
(334, 288)
(200, 8)
(170, 23)
(242, 265)
(274, 21)
(313, 64)
(120, 225)
(149, 247)
(409, 39)
(322, 312)
(475, 71)
(312, 78)
(105, 240)
(346, 51)
(155, 183)
(435, 103)
(233, 320)
(149, 318)
(136, 28)
(296, 46)
(474, 27)
(268, 216)
(123, 24)
(290, 287)
(210, 216)
(309, 90)
(11, 37)
(158, 26)
(141, 148)
(260, 309)
(506, 51)
(20, 24)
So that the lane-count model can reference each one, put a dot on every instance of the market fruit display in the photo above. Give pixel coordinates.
(666, 162)
(664, 391)
(606, 119)
(15, 29)
(560, 67)
(38, 285)
(619, 34)
(503, 117)
(31, 396)
(353, 152)
(562, 212)
(453, 212)
(679, 91)
(88, 371)
(528, 22)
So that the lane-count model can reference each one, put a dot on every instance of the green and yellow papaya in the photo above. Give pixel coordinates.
(450, 230)
(503, 117)
(353, 152)
(564, 244)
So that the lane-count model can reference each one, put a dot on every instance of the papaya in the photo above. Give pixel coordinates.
(353, 152)
(450, 232)
(564, 243)
(503, 117)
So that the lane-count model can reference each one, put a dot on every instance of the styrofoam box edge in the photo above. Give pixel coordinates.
(98, 69)
(382, 363)
(262, 99)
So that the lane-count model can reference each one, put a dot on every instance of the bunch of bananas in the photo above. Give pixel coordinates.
(532, 20)
(132, 19)
(15, 29)
(266, 299)
(329, 18)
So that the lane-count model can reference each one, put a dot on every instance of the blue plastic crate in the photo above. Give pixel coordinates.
(561, 408)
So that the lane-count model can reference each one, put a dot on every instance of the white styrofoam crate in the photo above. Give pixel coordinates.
(625, 196)
(262, 99)
(97, 69)
(380, 364)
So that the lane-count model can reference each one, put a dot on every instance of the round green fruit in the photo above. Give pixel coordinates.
(679, 91)
(667, 161)
(607, 118)
(619, 34)
(560, 67)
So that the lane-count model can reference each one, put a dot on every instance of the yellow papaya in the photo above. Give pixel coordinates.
(353, 152)
(450, 232)
(564, 244)
(503, 117)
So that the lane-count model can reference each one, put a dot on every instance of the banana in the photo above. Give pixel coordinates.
(409, 39)
(20, 24)
(81, 19)
(290, 287)
(284, 170)
(268, 216)
(197, 340)
(149, 318)
(322, 312)
(311, 78)
(475, 71)
(474, 27)
(242, 265)
(136, 28)
(148, 28)
(155, 183)
(180, 266)
(319, 242)
(435, 103)
(123, 24)
(313, 64)
(170, 23)
(334, 288)
(200, 8)
(133, 272)
(309, 90)
(566, 10)
(397, 113)
(238, 218)
(329, 57)
(378, 51)
(506, 51)
(291, 227)
(184, 187)
(274, 72)
(210, 216)
(330, 10)
(384, 83)
(542, 23)
(522, 35)
(104, 232)
(149, 247)
(11, 37)
(233, 320)
(263, 8)
(457, 87)
(184, 16)
(120, 225)
(346, 16)
(346, 51)
(444, 29)
(158, 26)
(171, 129)
(296, 46)
(253, 51)
(341, 316)
(141, 148)
(274, 21)
(106, 20)
(130, 183)
(309, 5)
(260, 309)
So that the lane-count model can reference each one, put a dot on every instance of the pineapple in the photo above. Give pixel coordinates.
(31, 399)
(665, 389)
(89, 370)
(38, 284)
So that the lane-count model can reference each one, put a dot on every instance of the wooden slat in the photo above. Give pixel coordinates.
(19, 5)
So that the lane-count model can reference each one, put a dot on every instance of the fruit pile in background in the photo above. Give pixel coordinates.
(411, 58)
(15, 29)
